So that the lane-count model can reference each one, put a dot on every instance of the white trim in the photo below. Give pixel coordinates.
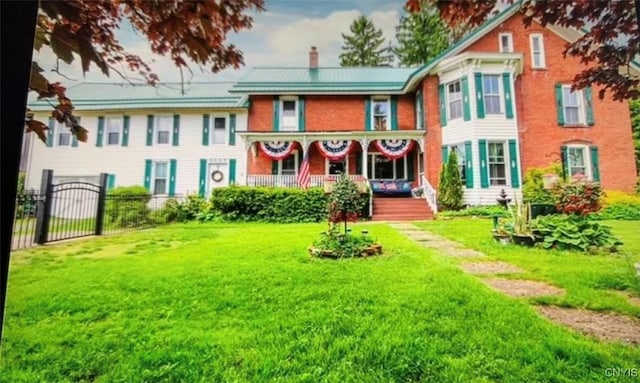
(154, 164)
(106, 132)
(448, 100)
(327, 161)
(500, 95)
(296, 112)
(582, 112)
(543, 61)
(387, 99)
(588, 165)
(58, 129)
(507, 161)
(509, 47)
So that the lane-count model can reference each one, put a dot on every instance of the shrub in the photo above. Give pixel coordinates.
(619, 205)
(579, 198)
(345, 202)
(574, 232)
(341, 245)
(477, 211)
(450, 190)
(638, 186)
(169, 212)
(126, 206)
(189, 209)
(533, 187)
(243, 203)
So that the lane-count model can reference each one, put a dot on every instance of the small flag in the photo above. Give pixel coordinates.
(303, 173)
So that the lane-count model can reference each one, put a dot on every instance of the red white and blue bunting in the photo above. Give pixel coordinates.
(276, 150)
(393, 149)
(334, 149)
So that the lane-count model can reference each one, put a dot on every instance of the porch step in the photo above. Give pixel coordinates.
(400, 209)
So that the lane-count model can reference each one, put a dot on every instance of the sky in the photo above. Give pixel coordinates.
(281, 36)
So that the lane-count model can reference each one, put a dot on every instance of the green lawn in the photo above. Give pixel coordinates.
(591, 281)
(245, 303)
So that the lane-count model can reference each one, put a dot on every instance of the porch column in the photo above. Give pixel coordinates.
(364, 143)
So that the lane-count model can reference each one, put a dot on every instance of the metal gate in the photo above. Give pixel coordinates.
(69, 209)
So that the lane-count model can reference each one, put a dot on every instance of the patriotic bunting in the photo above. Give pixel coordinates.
(393, 149)
(277, 150)
(334, 149)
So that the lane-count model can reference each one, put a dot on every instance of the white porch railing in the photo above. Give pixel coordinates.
(429, 193)
(291, 181)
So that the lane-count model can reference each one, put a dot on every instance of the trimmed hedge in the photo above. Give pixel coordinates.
(281, 205)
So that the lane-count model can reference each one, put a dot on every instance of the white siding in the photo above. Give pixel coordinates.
(128, 163)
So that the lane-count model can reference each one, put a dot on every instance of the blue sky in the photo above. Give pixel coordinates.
(281, 36)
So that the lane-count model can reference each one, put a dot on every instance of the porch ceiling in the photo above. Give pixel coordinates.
(307, 138)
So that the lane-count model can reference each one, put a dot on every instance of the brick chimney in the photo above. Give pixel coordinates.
(313, 58)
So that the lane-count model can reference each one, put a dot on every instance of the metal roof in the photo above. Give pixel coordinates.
(323, 80)
(110, 96)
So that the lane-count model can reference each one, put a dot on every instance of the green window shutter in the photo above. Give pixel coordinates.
(150, 130)
(367, 113)
(595, 163)
(588, 100)
(394, 113)
(232, 171)
(176, 129)
(203, 177)
(564, 157)
(410, 166)
(172, 177)
(111, 181)
(445, 154)
(125, 130)
(276, 113)
(301, 111)
(74, 138)
(479, 95)
(274, 167)
(205, 129)
(50, 132)
(559, 105)
(513, 160)
(466, 107)
(508, 98)
(468, 169)
(420, 111)
(484, 164)
(100, 131)
(232, 129)
(443, 106)
(147, 174)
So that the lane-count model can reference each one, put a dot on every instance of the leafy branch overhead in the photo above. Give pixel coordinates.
(182, 30)
(608, 45)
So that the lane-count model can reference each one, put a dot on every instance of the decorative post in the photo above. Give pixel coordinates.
(102, 194)
(43, 209)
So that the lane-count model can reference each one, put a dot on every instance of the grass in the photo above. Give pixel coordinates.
(245, 303)
(591, 281)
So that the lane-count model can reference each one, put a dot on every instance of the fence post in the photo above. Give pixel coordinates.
(102, 194)
(43, 208)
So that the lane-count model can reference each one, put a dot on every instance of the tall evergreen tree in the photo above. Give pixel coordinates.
(422, 36)
(365, 45)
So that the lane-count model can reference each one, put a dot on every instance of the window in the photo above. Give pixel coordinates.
(160, 176)
(164, 128)
(380, 167)
(419, 111)
(62, 135)
(578, 162)
(572, 106)
(219, 130)
(380, 114)
(289, 119)
(497, 164)
(114, 127)
(289, 165)
(462, 163)
(491, 89)
(537, 51)
(506, 42)
(334, 167)
(455, 100)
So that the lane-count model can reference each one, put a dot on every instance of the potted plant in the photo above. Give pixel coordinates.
(522, 228)
(502, 232)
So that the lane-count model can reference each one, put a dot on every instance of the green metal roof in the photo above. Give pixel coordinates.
(323, 80)
(108, 96)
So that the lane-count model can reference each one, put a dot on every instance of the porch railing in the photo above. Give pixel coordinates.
(429, 193)
(291, 181)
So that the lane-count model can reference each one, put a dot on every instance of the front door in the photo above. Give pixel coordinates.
(218, 176)
(382, 168)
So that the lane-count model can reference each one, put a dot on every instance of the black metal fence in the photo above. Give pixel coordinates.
(78, 209)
